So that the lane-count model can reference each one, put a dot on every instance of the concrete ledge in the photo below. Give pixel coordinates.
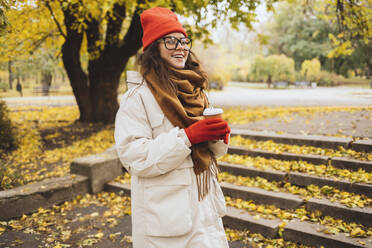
(334, 209)
(44, 194)
(314, 159)
(251, 171)
(291, 139)
(351, 164)
(362, 145)
(303, 179)
(99, 168)
(310, 234)
(261, 196)
(118, 188)
(240, 219)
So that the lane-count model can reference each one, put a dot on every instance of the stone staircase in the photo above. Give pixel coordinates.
(304, 232)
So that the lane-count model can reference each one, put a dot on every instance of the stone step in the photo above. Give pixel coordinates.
(235, 218)
(295, 230)
(290, 201)
(251, 171)
(281, 200)
(314, 159)
(292, 139)
(261, 196)
(240, 219)
(303, 179)
(310, 234)
(338, 162)
(29, 198)
(337, 210)
(351, 164)
(362, 145)
(119, 188)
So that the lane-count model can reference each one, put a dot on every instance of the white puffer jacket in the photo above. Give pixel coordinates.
(166, 212)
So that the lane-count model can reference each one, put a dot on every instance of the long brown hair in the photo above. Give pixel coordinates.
(150, 59)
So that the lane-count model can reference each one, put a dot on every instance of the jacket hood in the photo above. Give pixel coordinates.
(134, 78)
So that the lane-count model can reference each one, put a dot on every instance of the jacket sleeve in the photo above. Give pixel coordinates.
(140, 153)
(219, 148)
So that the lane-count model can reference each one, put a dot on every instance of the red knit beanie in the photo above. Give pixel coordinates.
(157, 22)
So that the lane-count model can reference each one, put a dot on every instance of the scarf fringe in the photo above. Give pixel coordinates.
(203, 179)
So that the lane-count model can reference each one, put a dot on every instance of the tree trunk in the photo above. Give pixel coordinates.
(269, 82)
(96, 93)
(46, 81)
(369, 70)
(104, 83)
(105, 71)
(10, 74)
(71, 60)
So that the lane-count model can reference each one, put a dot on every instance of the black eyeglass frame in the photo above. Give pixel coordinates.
(178, 42)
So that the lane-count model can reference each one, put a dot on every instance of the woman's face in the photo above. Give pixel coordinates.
(175, 58)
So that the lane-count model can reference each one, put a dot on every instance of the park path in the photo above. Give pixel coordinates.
(239, 95)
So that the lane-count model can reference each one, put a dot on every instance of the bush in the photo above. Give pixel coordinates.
(4, 86)
(7, 137)
(276, 67)
(328, 79)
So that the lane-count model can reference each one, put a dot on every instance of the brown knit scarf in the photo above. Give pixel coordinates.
(183, 108)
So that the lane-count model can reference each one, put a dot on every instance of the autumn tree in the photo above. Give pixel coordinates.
(108, 33)
(310, 70)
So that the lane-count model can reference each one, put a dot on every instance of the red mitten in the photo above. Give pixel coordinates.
(207, 129)
(226, 138)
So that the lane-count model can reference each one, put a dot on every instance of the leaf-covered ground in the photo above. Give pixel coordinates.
(331, 225)
(50, 138)
(101, 220)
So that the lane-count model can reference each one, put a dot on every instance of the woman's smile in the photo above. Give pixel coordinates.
(175, 58)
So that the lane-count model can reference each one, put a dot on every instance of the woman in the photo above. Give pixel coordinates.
(167, 146)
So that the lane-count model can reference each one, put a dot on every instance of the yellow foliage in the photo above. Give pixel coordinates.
(31, 161)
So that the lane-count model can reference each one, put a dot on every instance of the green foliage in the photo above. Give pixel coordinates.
(297, 33)
(309, 29)
(7, 136)
(274, 68)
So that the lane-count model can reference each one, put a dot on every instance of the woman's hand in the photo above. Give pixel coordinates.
(208, 129)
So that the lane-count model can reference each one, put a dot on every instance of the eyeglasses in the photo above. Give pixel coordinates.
(171, 43)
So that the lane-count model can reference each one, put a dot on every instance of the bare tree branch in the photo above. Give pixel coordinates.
(55, 19)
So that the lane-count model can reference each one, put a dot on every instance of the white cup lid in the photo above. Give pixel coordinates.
(212, 111)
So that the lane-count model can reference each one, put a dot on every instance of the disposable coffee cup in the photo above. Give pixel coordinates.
(212, 113)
